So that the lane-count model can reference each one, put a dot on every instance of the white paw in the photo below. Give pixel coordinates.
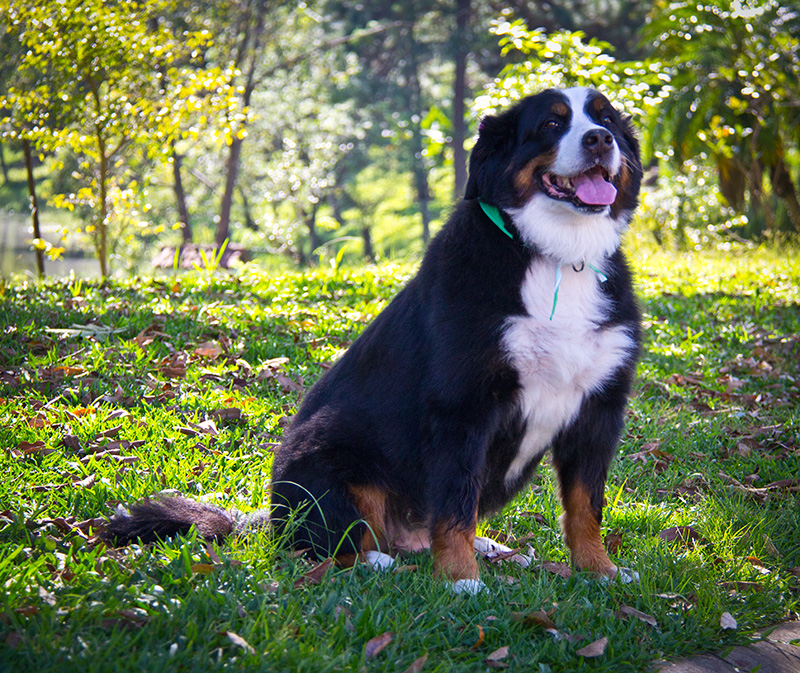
(469, 587)
(627, 576)
(487, 546)
(378, 560)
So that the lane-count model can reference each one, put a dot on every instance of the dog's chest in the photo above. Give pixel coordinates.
(561, 360)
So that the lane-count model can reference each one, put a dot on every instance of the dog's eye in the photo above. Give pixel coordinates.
(552, 124)
(607, 120)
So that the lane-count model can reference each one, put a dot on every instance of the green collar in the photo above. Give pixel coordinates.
(493, 213)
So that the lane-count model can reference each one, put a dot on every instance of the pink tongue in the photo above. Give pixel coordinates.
(594, 190)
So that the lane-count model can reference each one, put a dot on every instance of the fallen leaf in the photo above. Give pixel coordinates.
(86, 482)
(227, 414)
(741, 586)
(537, 617)
(203, 568)
(685, 534)
(237, 640)
(208, 350)
(479, 641)
(558, 568)
(46, 596)
(287, 384)
(377, 644)
(71, 442)
(613, 542)
(726, 621)
(314, 576)
(417, 664)
(495, 659)
(642, 616)
(593, 649)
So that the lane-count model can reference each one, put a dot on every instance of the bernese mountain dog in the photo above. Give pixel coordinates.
(520, 333)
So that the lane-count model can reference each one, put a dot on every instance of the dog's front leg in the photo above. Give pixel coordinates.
(582, 455)
(453, 550)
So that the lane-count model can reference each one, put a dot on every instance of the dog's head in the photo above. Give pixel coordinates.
(565, 165)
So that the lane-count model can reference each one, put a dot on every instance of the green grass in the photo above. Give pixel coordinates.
(121, 408)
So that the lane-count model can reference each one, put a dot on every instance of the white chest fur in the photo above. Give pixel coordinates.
(560, 361)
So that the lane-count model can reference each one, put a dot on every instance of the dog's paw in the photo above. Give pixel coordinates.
(616, 574)
(378, 560)
(469, 587)
(485, 545)
(627, 576)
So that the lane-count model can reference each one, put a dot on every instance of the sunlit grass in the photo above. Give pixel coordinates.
(194, 392)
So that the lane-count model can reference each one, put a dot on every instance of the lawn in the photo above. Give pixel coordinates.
(110, 393)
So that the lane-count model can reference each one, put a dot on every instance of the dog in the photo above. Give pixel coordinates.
(519, 334)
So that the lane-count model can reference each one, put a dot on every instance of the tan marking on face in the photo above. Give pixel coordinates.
(454, 552)
(524, 179)
(560, 109)
(581, 526)
(599, 103)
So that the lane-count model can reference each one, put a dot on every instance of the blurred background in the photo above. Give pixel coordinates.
(170, 134)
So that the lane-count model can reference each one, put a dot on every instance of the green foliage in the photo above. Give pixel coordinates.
(106, 82)
(565, 59)
(734, 75)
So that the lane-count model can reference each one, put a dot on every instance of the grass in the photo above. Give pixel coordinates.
(187, 384)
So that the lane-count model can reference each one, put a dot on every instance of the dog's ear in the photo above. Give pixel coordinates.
(491, 156)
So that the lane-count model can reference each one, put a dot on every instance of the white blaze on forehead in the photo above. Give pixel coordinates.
(570, 157)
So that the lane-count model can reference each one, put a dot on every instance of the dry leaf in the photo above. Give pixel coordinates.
(633, 612)
(86, 482)
(226, 414)
(208, 349)
(594, 649)
(613, 542)
(741, 586)
(479, 641)
(377, 644)
(314, 576)
(558, 568)
(726, 621)
(203, 568)
(237, 640)
(417, 665)
(685, 534)
(538, 617)
(495, 659)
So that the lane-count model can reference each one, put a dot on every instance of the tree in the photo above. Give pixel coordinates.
(564, 59)
(106, 87)
(735, 75)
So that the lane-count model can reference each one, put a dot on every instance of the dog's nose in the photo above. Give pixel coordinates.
(598, 141)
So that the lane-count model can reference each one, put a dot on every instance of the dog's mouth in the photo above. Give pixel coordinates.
(591, 190)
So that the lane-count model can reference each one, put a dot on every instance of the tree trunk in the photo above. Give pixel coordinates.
(102, 225)
(26, 148)
(785, 190)
(313, 235)
(459, 94)
(251, 44)
(417, 160)
(369, 251)
(180, 196)
(231, 174)
(3, 163)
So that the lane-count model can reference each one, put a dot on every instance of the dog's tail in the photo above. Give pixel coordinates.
(164, 517)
